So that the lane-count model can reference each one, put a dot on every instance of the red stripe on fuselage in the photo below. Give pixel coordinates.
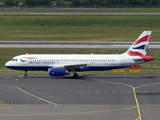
(29, 58)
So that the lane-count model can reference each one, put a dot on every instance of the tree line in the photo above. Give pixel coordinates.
(79, 3)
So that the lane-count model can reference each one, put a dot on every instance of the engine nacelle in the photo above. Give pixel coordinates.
(58, 72)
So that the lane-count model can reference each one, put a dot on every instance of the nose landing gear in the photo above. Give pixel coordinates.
(25, 74)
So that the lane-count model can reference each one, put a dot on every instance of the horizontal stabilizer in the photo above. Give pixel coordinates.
(145, 58)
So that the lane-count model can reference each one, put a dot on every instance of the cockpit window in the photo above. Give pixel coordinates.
(14, 60)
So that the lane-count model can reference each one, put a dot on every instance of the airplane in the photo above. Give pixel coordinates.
(64, 64)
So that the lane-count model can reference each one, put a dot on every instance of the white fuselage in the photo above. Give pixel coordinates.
(92, 61)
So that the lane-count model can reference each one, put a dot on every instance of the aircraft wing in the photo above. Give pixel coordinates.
(74, 66)
(68, 66)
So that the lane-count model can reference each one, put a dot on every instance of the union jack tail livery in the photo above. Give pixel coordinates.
(140, 46)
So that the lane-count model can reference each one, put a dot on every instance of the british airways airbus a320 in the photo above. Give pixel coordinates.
(64, 64)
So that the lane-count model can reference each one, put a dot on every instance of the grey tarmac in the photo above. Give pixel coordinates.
(89, 97)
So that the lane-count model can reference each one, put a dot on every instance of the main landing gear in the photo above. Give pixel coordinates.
(75, 75)
(25, 74)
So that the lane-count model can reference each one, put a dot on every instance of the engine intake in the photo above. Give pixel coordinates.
(58, 72)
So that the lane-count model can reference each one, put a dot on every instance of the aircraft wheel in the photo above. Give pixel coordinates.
(25, 74)
(75, 75)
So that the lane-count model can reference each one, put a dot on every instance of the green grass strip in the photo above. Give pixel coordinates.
(77, 27)
(3, 103)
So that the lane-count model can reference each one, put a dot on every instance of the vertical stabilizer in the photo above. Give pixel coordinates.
(140, 46)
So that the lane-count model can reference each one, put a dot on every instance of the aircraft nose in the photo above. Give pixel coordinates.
(7, 64)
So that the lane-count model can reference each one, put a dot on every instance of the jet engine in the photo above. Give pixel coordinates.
(58, 72)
